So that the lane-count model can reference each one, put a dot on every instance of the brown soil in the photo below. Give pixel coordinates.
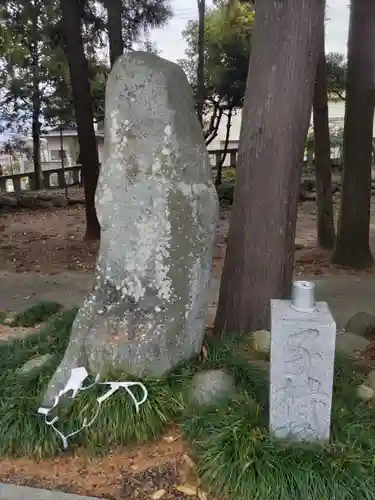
(136, 473)
(51, 241)
(8, 333)
(45, 241)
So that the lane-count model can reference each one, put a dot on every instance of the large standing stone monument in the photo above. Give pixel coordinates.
(158, 210)
(303, 337)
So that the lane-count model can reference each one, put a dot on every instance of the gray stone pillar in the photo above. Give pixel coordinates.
(303, 337)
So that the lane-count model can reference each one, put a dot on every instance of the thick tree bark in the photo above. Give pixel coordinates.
(278, 100)
(114, 26)
(322, 146)
(79, 75)
(352, 246)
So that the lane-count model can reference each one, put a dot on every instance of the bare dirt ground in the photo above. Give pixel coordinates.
(159, 470)
(45, 241)
(51, 241)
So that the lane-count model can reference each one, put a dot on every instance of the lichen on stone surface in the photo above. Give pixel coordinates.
(158, 209)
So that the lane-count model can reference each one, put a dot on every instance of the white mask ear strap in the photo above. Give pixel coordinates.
(126, 385)
(131, 394)
(76, 387)
(74, 384)
(84, 388)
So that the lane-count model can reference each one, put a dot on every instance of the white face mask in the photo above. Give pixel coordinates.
(75, 384)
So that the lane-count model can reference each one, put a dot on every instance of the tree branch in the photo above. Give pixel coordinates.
(225, 152)
(339, 94)
(214, 133)
(212, 123)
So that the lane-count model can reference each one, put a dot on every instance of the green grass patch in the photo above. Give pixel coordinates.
(24, 432)
(229, 174)
(36, 314)
(237, 459)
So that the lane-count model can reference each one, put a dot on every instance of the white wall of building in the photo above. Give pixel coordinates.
(336, 112)
(50, 151)
(70, 147)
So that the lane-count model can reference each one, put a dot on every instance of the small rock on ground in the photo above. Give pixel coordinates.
(361, 323)
(8, 201)
(44, 204)
(370, 380)
(59, 201)
(45, 196)
(349, 343)
(365, 392)
(210, 386)
(33, 363)
(261, 341)
(27, 202)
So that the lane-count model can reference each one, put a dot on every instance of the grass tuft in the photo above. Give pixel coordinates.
(24, 432)
(237, 459)
(36, 314)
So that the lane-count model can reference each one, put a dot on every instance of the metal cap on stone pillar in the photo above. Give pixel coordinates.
(303, 296)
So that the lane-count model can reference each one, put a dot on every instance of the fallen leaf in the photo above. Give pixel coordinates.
(158, 494)
(202, 495)
(169, 439)
(188, 460)
(204, 353)
(187, 489)
(188, 472)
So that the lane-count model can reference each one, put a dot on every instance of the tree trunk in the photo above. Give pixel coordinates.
(322, 146)
(353, 247)
(276, 113)
(35, 130)
(36, 97)
(114, 26)
(219, 165)
(200, 69)
(79, 76)
(214, 125)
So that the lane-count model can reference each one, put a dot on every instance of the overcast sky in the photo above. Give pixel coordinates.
(171, 44)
